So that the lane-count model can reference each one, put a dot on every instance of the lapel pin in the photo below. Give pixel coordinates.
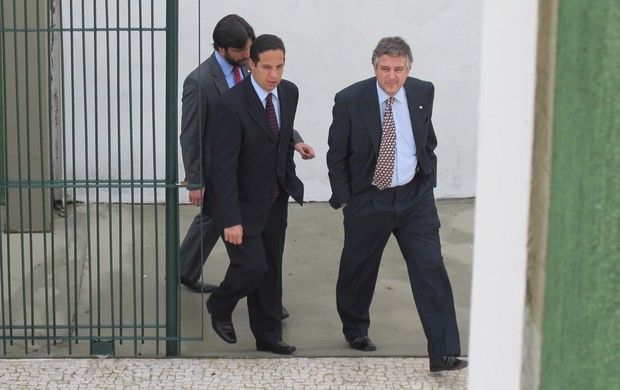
(420, 107)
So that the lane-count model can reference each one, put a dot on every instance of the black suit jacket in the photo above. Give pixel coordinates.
(355, 136)
(246, 160)
(202, 90)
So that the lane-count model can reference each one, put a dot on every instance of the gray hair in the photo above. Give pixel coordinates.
(393, 47)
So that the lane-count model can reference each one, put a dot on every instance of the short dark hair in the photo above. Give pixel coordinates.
(263, 43)
(393, 47)
(232, 31)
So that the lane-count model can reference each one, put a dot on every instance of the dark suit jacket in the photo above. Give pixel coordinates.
(202, 90)
(246, 160)
(355, 136)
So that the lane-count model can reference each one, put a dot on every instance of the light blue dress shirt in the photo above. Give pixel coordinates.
(227, 69)
(406, 160)
(262, 95)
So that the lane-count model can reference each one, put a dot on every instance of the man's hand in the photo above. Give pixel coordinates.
(234, 234)
(305, 150)
(196, 196)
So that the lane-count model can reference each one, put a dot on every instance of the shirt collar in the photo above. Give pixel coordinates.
(227, 68)
(262, 94)
(399, 97)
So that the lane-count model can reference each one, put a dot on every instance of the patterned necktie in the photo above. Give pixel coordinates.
(273, 121)
(237, 73)
(387, 150)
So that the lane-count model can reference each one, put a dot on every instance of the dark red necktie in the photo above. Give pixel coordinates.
(237, 73)
(273, 121)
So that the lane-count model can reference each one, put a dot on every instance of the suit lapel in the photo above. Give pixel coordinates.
(219, 80)
(371, 114)
(417, 113)
(256, 109)
(245, 70)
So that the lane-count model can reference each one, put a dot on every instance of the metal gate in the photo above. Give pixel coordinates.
(88, 178)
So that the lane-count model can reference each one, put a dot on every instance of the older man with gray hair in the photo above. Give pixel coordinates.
(382, 171)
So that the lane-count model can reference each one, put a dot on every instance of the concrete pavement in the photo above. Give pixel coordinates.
(312, 253)
(323, 359)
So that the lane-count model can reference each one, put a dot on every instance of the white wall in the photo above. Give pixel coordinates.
(329, 44)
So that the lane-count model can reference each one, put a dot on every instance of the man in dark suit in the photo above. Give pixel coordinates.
(252, 177)
(202, 89)
(382, 171)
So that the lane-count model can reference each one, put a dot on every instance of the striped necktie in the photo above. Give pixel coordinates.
(273, 119)
(237, 72)
(273, 122)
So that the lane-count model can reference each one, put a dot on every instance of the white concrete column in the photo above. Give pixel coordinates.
(508, 78)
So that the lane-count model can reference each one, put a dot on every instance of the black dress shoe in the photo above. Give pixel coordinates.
(224, 329)
(447, 363)
(363, 344)
(281, 348)
(284, 313)
(198, 286)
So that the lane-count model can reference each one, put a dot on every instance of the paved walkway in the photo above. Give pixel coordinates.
(322, 360)
(233, 374)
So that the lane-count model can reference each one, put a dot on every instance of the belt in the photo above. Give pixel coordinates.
(416, 177)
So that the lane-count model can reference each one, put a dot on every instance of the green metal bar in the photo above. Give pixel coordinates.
(89, 276)
(120, 174)
(3, 98)
(52, 105)
(74, 169)
(172, 194)
(2, 118)
(141, 113)
(65, 163)
(28, 165)
(203, 305)
(111, 225)
(42, 168)
(89, 184)
(84, 29)
(85, 326)
(48, 259)
(97, 195)
(74, 164)
(19, 166)
(131, 172)
(155, 213)
(3, 124)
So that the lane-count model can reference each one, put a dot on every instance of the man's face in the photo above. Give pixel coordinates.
(268, 71)
(391, 73)
(236, 57)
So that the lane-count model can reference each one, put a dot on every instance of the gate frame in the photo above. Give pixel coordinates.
(173, 344)
(172, 336)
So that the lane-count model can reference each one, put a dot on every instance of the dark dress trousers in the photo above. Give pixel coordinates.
(246, 163)
(371, 216)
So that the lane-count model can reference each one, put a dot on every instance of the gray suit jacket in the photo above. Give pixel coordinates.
(202, 90)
